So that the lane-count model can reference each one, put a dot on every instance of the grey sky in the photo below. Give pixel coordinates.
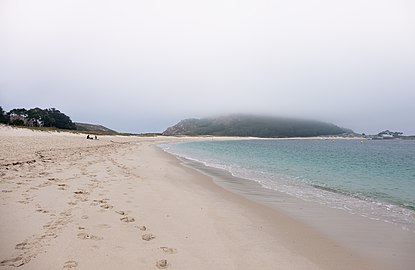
(140, 66)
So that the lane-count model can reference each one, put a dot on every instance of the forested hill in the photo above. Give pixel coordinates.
(254, 126)
(37, 117)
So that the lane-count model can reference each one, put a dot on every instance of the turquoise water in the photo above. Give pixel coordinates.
(371, 178)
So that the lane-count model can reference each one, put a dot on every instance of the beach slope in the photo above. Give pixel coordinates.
(122, 203)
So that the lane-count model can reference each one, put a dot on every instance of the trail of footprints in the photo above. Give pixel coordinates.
(32, 246)
(160, 264)
(147, 237)
(104, 204)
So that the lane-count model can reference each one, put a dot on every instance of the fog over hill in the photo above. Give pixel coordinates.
(254, 126)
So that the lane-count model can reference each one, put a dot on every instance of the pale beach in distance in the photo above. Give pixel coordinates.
(122, 202)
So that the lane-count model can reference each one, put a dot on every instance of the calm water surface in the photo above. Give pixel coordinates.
(371, 178)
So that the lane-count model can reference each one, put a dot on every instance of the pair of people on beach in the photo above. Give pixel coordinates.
(91, 138)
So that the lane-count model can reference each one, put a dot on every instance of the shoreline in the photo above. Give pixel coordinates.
(68, 202)
(358, 233)
(355, 201)
(295, 235)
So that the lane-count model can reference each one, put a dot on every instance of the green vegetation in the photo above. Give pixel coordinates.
(54, 120)
(254, 126)
(37, 117)
(17, 122)
(3, 116)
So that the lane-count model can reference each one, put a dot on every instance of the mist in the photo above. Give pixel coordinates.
(141, 66)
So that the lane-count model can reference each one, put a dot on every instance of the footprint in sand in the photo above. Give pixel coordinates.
(106, 206)
(162, 264)
(81, 192)
(141, 228)
(25, 201)
(48, 235)
(62, 186)
(127, 219)
(16, 262)
(147, 237)
(120, 212)
(81, 195)
(168, 250)
(89, 236)
(98, 201)
(23, 245)
(70, 264)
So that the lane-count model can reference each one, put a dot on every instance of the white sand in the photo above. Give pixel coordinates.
(122, 203)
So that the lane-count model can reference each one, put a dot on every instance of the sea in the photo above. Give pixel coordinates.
(370, 178)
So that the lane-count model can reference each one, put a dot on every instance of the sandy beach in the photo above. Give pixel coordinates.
(123, 203)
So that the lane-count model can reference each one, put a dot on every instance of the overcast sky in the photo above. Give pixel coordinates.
(141, 66)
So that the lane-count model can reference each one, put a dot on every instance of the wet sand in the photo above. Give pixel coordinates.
(388, 244)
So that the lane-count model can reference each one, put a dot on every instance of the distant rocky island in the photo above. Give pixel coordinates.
(254, 126)
(389, 135)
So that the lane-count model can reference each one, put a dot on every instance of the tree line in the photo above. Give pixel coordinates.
(36, 117)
